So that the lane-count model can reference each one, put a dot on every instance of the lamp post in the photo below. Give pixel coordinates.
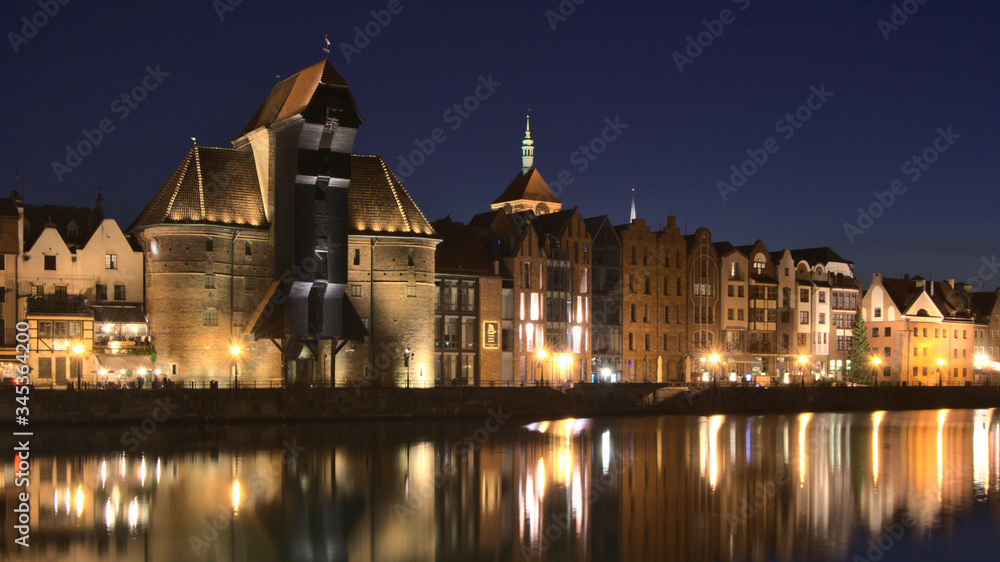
(940, 363)
(235, 352)
(78, 351)
(541, 365)
(802, 369)
(714, 360)
(876, 361)
(407, 356)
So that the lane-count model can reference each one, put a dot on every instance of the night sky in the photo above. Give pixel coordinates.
(605, 60)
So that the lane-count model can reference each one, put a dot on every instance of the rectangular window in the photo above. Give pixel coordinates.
(210, 282)
(803, 295)
(888, 332)
(739, 291)
(631, 284)
(110, 261)
(803, 317)
(248, 250)
(630, 343)
(60, 291)
(3, 262)
(355, 291)
(209, 245)
(633, 254)
(37, 291)
(632, 310)
(75, 330)
(729, 314)
(44, 330)
(119, 292)
(679, 293)
(50, 263)
(647, 342)
(101, 293)
(666, 315)
(874, 332)
(248, 283)
(357, 256)
(411, 290)
(210, 317)
(647, 285)
(822, 296)
(739, 314)
(732, 291)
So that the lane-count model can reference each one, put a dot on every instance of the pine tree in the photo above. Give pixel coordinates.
(861, 352)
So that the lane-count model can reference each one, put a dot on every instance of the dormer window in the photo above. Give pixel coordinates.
(758, 265)
(331, 120)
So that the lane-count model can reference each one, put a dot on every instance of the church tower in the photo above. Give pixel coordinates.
(528, 191)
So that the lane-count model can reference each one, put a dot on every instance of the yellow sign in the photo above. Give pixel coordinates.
(491, 334)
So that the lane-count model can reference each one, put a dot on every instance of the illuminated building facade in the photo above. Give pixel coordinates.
(467, 303)
(654, 311)
(926, 326)
(606, 290)
(289, 237)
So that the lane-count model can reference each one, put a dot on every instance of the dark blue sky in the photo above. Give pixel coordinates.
(604, 61)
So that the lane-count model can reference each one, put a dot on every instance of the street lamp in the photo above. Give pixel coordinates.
(565, 362)
(235, 352)
(802, 369)
(876, 361)
(541, 364)
(940, 363)
(407, 356)
(714, 360)
(78, 350)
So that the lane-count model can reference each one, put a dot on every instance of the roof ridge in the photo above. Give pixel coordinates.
(395, 196)
(201, 185)
(173, 196)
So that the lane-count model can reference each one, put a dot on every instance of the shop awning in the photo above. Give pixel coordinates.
(123, 362)
(119, 314)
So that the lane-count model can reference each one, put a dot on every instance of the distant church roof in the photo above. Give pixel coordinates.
(211, 186)
(292, 95)
(377, 203)
(528, 186)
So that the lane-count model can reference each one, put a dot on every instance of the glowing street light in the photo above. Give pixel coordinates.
(714, 360)
(78, 351)
(802, 368)
(940, 363)
(235, 352)
(541, 365)
(876, 361)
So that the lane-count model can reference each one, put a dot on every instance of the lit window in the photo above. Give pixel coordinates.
(209, 281)
(110, 261)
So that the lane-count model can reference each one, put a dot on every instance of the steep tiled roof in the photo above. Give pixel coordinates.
(983, 303)
(814, 256)
(528, 186)
(211, 186)
(37, 217)
(292, 95)
(554, 223)
(461, 250)
(377, 203)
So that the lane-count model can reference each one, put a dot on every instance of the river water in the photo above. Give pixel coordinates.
(919, 485)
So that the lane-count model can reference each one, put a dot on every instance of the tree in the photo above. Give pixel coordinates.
(861, 352)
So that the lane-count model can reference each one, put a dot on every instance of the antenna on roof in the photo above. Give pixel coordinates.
(194, 140)
(327, 39)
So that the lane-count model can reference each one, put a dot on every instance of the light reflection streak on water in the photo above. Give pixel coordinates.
(803, 425)
(714, 422)
(981, 452)
(942, 415)
(876, 421)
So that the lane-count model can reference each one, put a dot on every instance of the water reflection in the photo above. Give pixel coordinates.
(808, 486)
